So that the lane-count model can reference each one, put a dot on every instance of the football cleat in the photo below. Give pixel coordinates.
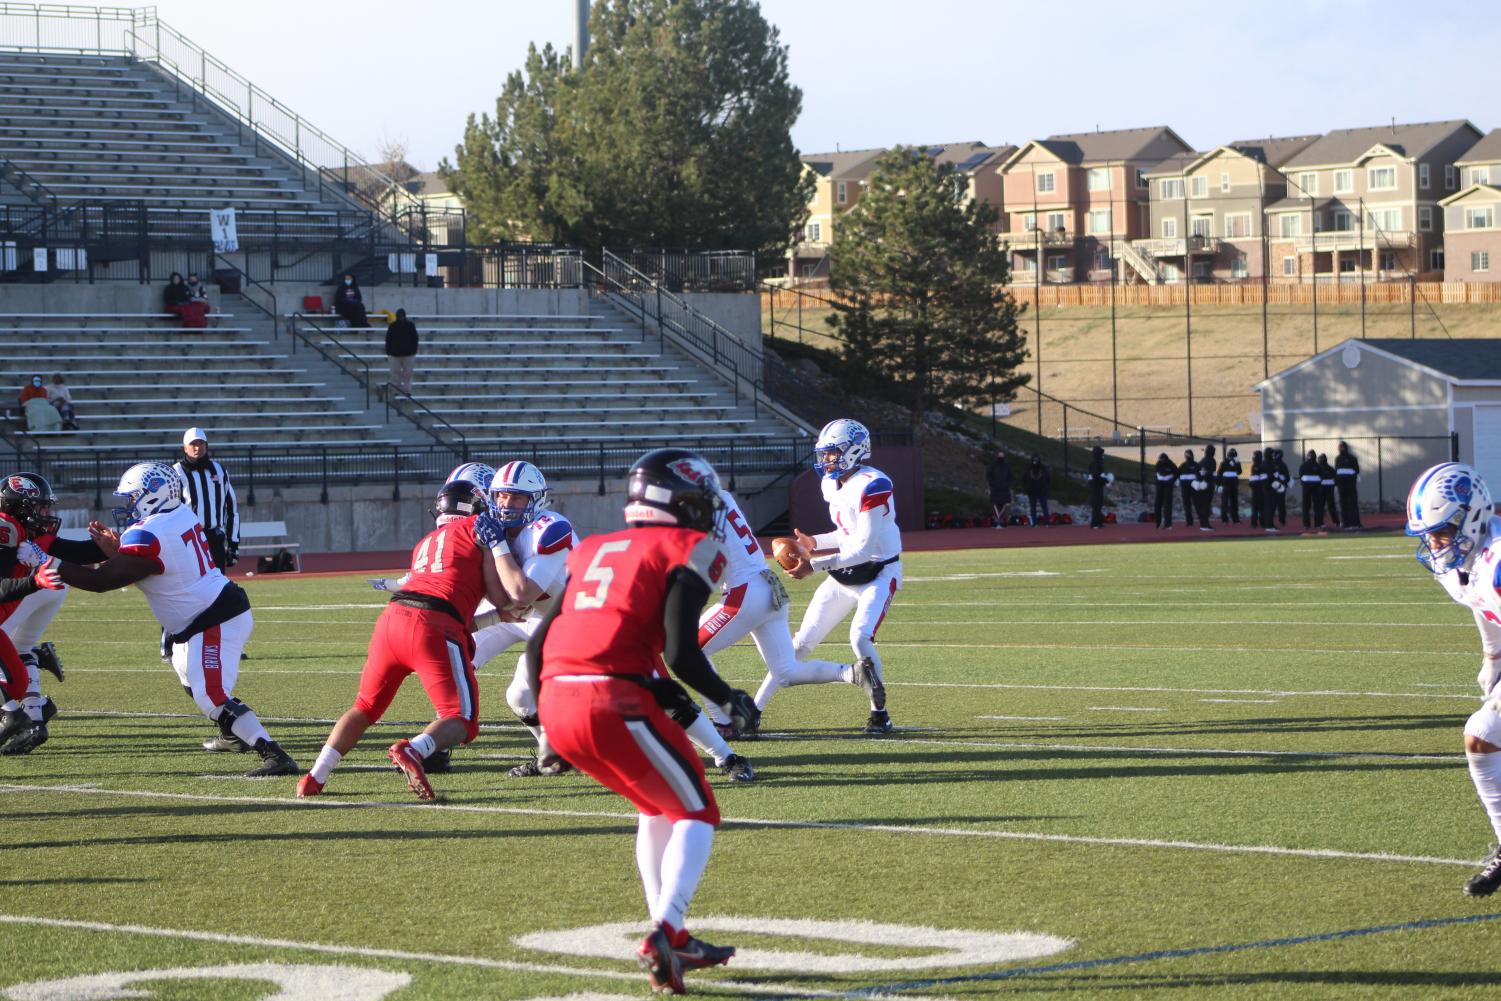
(1484, 882)
(308, 786)
(863, 672)
(12, 723)
(695, 954)
(274, 761)
(409, 762)
(878, 723)
(739, 770)
(48, 660)
(438, 763)
(227, 745)
(534, 768)
(34, 736)
(660, 961)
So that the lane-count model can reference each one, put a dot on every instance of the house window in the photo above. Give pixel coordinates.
(1480, 175)
(1423, 176)
(1436, 259)
(1169, 227)
(1171, 272)
(1057, 262)
(1382, 178)
(1344, 220)
(841, 192)
(1388, 260)
(1201, 269)
(1225, 181)
(1238, 268)
(1449, 178)
(1308, 183)
(1203, 225)
(1480, 260)
(1141, 178)
(1346, 265)
(1029, 264)
(1237, 225)
(1097, 179)
(1029, 221)
(814, 232)
(1479, 218)
(1425, 218)
(1290, 225)
(1044, 183)
(1102, 259)
(1171, 188)
(1385, 220)
(1056, 223)
(1099, 221)
(1289, 267)
(1344, 182)
(1200, 187)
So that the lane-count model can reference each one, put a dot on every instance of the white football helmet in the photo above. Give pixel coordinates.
(1449, 511)
(477, 474)
(842, 446)
(147, 488)
(518, 477)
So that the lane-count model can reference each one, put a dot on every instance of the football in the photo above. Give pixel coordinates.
(787, 552)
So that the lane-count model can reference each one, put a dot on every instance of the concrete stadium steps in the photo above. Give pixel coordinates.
(109, 130)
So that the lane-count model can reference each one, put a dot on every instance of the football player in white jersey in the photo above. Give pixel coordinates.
(162, 549)
(862, 556)
(1450, 512)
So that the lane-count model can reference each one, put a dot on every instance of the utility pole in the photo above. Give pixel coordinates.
(1188, 325)
(580, 32)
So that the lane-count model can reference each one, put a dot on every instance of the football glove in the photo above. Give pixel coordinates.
(46, 576)
(29, 554)
(742, 711)
(674, 700)
(385, 583)
(492, 534)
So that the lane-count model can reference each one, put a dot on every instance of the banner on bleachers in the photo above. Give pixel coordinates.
(39, 259)
(222, 230)
(402, 264)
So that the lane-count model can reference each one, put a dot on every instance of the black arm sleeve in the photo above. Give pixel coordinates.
(16, 588)
(84, 551)
(686, 594)
(534, 645)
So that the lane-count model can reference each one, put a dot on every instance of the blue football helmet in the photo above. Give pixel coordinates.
(1449, 511)
(147, 488)
(842, 446)
(518, 477)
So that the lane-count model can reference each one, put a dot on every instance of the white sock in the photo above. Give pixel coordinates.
(328, 759)
(714, 713)
(1485, 772)
(770, 685)
(683, 864)
(33, 705)
(702, 733)
(651, 841)
(817, 672)
(424, 744)
(249, 729)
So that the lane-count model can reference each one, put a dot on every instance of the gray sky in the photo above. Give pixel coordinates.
(880, 72)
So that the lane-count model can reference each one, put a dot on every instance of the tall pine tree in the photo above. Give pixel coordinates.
(920, 278)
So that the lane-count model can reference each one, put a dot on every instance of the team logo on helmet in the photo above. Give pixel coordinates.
(694, 470)
(1461, 489)
(25, 486)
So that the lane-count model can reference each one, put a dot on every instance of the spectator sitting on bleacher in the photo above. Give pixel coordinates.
(41, 415)
(33, 390)
(349, 304)
(196, 291)
(178, 299)
(61, 398)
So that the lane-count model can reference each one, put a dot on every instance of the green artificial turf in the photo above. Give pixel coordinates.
(1157, 752)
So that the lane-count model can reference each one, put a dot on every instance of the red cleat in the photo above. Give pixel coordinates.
(660, 961)
(308, 786)
(406, 758)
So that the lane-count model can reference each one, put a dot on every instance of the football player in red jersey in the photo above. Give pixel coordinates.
(632, 598)
(426, 629)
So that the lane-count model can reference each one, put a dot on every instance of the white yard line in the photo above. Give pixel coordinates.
(288, 803)
(1318, 623)
(1024, 719)
(1263, 702)
(1126, 709)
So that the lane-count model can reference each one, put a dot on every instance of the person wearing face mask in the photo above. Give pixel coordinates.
(40, 415)
(1167, 476)
(1258, 482)
(1229, 476)
(1326, 481)
(1346, 474)
(1098, 479)
(1188, 471)
(1204, 489)
(179, 299)
(1313, 491)
(1278, 476)
(1038, 480)
(349, 303)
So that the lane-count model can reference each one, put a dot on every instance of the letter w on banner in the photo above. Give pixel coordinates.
(222, 230)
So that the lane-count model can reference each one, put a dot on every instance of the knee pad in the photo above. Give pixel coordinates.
(522, 702)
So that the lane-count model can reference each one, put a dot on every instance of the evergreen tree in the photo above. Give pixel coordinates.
(677, 133)
(920, 277)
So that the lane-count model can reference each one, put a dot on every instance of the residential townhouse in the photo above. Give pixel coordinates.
(1208, 212)
(839, 180)
(1069, 197)
(1364, 203)
(1472, 215)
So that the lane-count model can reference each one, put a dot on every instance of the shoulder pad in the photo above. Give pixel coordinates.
(877, 492)
(707, 560)
(11, 532)
(554, 536)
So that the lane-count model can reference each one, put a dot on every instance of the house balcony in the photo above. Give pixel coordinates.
(1177, 247)
(1032, 238)
(1353, 239)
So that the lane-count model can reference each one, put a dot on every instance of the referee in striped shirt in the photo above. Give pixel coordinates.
(206, 488)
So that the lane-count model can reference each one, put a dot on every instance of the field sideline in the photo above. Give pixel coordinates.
(1227, 770)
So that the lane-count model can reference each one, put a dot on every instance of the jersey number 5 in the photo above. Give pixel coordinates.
(600, 576)
(744, 533)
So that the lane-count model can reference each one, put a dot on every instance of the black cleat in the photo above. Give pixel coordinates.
(729, 731)
(34, 736)
(227, 745)
(274, 761)
(660, 961)
(878, 723)
(12, 723)
(438, 763)
(1484, 882)
(533, 769)
(697, 954)
(864, 674)
(739, 770)
(48, 660)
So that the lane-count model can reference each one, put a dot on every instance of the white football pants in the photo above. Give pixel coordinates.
(833, 601)
(491, 641)
(749, 608)
(209, 664)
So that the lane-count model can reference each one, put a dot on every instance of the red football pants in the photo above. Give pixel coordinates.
(434, 646)
(13, 674)
(614, 730)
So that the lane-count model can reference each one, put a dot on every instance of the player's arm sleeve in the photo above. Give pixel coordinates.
(139, 557)
(825, 540)
(1490, 634)
(76, 551)
(231, 513)
(687, 591)
(16, 588)
(539, 637)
